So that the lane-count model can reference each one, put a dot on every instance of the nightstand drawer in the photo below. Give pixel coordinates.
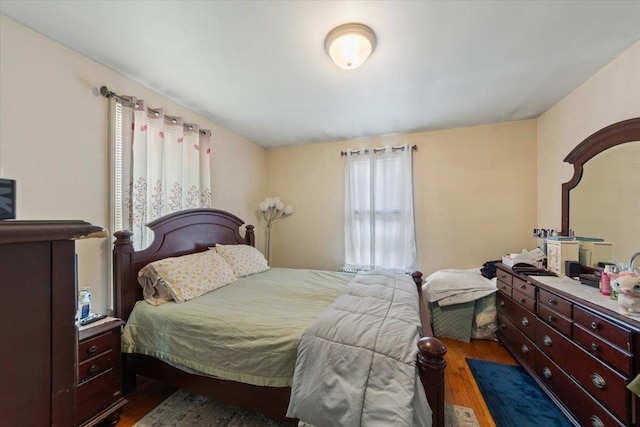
(95, 366)
(94, 395)
(94, 346)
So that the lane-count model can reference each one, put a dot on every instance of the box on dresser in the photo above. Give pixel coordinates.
(560, 251)
(574, 343)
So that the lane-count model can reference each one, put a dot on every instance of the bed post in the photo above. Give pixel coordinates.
(431, 366)
(123, 299)
(431, 363)
(250, 236)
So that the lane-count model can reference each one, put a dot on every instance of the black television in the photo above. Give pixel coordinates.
(7, 199)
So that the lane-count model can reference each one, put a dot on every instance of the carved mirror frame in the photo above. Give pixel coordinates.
(610, 136)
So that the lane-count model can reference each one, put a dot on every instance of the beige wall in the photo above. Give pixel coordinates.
(474, 196)
(53, 142)
(609, 96)
(474, 189)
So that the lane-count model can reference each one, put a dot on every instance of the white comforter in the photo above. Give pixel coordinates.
(448, 287)
(356, 363)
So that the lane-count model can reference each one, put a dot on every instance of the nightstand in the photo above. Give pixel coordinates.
(99, 386)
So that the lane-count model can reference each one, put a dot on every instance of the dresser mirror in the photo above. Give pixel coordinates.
(602, 199)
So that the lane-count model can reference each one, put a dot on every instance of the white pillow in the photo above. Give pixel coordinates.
(243, 259)
(184, 277)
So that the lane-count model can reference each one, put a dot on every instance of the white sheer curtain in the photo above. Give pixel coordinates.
(161, 166)
(379, 221)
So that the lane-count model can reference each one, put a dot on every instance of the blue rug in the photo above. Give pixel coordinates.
(513, 397)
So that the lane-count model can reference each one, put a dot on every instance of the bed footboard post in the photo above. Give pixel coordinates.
(431, 365)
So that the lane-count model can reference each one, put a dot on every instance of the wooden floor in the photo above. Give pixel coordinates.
(460, 387)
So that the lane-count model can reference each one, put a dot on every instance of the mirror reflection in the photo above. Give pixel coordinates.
(606, 202)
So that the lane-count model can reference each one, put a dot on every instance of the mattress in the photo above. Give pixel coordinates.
(247, 331)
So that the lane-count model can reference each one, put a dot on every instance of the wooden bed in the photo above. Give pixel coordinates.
(196, 230)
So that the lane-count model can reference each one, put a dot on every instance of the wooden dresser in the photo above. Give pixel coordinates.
(574, 343)
(37, 321)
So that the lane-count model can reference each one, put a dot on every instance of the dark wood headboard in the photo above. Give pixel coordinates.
(179, 233)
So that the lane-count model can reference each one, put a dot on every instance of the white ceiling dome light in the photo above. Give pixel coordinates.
(349, 45)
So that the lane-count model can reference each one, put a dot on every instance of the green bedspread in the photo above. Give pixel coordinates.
(247, 331)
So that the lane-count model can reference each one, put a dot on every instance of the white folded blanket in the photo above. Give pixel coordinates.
(449, 286)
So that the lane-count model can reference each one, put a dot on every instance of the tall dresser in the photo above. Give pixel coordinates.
(37, 321)
(574, 343)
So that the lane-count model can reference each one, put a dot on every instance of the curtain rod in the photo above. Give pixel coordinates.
(376, 150)
(104, 91)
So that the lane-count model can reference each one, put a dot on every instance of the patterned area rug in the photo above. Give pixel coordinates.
(184, 409)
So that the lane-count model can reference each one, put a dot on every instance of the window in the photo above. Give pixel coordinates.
(379, 220)
(159, 165)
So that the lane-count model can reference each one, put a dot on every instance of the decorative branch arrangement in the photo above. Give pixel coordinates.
(273, 210)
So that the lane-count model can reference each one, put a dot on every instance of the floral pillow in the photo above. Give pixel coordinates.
(185, 277)
(243, 259)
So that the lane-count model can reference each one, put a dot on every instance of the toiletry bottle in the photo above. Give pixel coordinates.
(605, 281)
(84, 303)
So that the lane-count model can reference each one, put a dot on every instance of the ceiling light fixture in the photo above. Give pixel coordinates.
(349, 45)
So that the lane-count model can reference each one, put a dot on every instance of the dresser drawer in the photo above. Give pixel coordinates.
(527, 288)
(555, 319)
(518, 315)
(524, 300)
(555, 303)
(504, 288)
(601, 381)
(95, 395)
(94, 346)
(586, 410)
(603, 328)
(95, 366)
(520, 345)
(618, 358)
(504, 277)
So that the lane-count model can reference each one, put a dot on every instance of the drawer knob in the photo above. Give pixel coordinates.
(501, 303)
(598, 381)
(525, 349)
(93, 369)
(522, 300)
(503, 326)
(522, 286)
(594, 325)
(595, 421)
(547, 340)
(93, 348)
(525, 321)
(551, 318)
(552, 301)
(547, 373)
(594, 346)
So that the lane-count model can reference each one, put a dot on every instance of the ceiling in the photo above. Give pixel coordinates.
(259, 68)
